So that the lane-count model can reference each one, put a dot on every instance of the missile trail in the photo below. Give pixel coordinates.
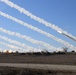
(18, 43)
(69, 36)
(38, 30)
(4, 50)
(48, 46)
(11, 46)
(47, 24)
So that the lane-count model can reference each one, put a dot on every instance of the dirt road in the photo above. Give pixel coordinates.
(41, 66)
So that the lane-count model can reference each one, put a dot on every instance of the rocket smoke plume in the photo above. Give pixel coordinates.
(47, 24)
(48, 46)
(11, 46)
(4, 50)
(38, 30)
(16, 42)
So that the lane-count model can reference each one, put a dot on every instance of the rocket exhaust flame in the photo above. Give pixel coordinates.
(47, 24)
(38, 30)
(59, 32)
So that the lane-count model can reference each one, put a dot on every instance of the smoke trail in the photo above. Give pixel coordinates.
(36, 29)
(18, 43)
(4, 50)
(22, 10)
(27, 38)
(11, 46)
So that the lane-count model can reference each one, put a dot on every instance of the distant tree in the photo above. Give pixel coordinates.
(73, 51)
(45, 52)
(65, 49)
(17, 52)
(37, 53)
(7, 51)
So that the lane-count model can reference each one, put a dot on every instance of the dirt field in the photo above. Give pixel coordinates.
(21, 71)
(64, 59)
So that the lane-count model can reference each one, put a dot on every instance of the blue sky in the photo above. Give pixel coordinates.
(59, 12)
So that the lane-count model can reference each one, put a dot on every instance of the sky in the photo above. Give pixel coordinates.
(62, 13)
